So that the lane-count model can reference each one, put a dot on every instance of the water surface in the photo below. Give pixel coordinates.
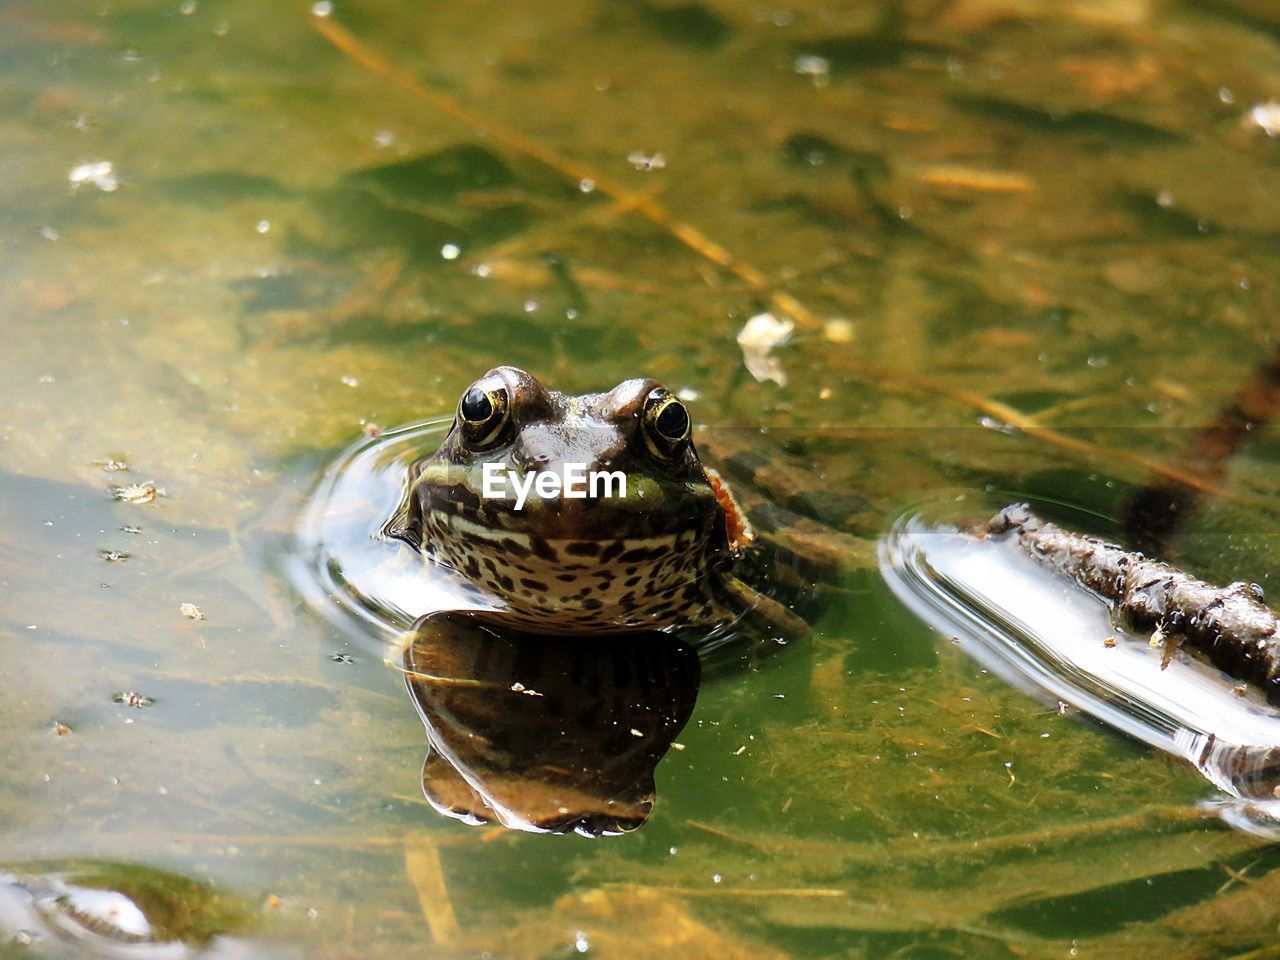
(1027, 246)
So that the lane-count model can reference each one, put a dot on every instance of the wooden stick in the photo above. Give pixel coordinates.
(1231, 625)
(426, 873)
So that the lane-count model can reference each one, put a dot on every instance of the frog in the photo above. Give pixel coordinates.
(665, 549)
(549, 705)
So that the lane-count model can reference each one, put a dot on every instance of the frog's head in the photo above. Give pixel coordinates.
(594, 506)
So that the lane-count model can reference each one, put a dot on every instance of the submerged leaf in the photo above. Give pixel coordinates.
(757, 339)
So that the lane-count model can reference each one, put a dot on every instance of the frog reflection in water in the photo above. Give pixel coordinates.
(547, 733)
(550, 709)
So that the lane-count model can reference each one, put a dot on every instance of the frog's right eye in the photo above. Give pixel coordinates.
(482, 412)
(666, 423)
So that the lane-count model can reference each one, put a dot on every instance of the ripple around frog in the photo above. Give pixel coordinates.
(1041, 632)
(570, 729)
(371, 588)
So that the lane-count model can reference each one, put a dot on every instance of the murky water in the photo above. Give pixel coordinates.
(1026, 247)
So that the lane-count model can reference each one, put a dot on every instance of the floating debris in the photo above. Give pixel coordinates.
(112, 465)
(972, 178)
(107, 914)
(1266, 117)
(371, 429)
(349, 380)
(113, 556)
(191, 611)
(131, 528)
(838, 330)
(812, 66)
(645, 162)
(757, 339)
(138, 492)
(342, 658)
(100, 174)
(998, 588)
(130, 698)
(61, 729)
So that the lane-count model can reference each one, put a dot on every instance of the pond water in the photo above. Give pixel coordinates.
(1026, 246)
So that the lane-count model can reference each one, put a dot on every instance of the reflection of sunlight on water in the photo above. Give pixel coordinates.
(1039, 631)
(371, 587)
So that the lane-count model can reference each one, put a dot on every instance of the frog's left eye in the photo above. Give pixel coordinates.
(482, 412)
(666, 423)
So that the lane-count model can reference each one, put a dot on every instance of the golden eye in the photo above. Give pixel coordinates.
(482, 412)
(666, 423)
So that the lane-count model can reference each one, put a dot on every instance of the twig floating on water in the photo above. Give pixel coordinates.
(1230, 625)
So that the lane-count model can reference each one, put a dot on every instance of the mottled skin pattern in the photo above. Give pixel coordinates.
(658, 557)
